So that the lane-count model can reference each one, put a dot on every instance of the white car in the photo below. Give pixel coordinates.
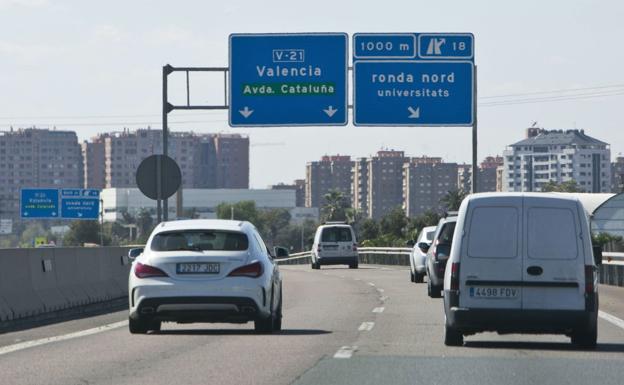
(522, 263)
(418, 255)
(205, 271)
(334, 244)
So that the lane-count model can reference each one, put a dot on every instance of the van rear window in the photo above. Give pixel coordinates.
(493, 232)
(336, 234)
(552, 233)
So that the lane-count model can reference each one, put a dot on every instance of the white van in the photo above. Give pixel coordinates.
(522, 263)
(334, 244)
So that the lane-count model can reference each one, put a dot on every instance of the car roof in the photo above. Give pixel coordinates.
(203, 224)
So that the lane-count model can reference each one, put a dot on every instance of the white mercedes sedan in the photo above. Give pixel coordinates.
(205, 271)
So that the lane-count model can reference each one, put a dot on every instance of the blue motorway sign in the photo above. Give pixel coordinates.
(413, 79)
(288, 79)
(50, 203)
(39, 203)
(413, 93)
(80, 203)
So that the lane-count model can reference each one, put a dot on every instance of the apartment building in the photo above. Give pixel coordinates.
(486, 176)
(34, 157)
(298, 186)
(330, 173)
(557, 156)
(205, 160)
(617, 175)
(426, 181)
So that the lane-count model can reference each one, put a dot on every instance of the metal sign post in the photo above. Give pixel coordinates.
(475, 169)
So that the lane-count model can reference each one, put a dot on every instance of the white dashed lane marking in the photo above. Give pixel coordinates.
(345, 352)
(378, 310)
(371, 284)
(366, 326)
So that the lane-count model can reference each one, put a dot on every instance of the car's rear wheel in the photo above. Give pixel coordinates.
(353, 265)
(452, 336)
(419, 278)
(267, 325)
(277, 324)
(412, 276)
(137, 326)
(432, 290)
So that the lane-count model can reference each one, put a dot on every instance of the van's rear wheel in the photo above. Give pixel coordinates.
(452, 337)
(412, 276)
(419, 278)
(353, 265)
(137, 326)
(585, 339)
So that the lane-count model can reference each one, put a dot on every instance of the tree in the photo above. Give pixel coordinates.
(453, 199)
(242, 211)
(569, 187)
(394, 223)
(274, 221)
(335, 206)
(81, 232)
(145, 224)
(416, 224)
(369, 229)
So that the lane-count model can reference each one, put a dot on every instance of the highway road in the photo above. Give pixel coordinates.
(341, 326)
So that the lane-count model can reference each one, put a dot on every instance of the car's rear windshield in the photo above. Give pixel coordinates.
(200, 240)
(429, 234)
(336, 234)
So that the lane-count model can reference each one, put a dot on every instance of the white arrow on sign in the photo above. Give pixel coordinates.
(330, 111)
(25, 213)
(80, 215)
(414, 113)
(246, 112)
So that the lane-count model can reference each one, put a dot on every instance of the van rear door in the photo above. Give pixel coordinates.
(336, 241)
(491, 250)
(553, 271)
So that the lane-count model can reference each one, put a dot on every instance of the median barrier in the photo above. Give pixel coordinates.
(70, 277)
(43, 279)
(16, 284)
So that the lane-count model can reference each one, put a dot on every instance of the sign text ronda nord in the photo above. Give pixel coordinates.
(413, 79)
(288, 79)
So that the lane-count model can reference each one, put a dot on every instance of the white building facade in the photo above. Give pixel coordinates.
(558, 156)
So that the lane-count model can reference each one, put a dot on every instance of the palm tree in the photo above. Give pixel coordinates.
(335, 206)
(453, 199)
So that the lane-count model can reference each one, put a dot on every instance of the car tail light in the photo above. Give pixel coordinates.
(455, 276)
(147, 271)
(253, 270)
(589, 279)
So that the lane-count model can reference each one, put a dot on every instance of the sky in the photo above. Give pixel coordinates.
(96, 67)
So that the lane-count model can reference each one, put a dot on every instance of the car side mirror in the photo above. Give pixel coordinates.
(423, 246)
(410, 243)
(597, 254)
(133, 253)
(280, 252)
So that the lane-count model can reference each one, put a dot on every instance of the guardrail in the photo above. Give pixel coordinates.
(611, 271)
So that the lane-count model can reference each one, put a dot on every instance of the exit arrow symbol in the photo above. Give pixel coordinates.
(330, 111)
(414, 113)
(246, 112)
(80, 215)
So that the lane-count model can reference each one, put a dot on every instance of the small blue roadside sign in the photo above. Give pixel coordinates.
(39, 203)
(288, 79)
(413, 79)
(80, 203)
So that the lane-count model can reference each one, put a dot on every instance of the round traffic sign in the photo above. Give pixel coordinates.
(146, 176)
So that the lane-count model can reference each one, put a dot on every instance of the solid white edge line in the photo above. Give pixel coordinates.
(64, 337)
(345, 352)
(611, 318)
(378, 309)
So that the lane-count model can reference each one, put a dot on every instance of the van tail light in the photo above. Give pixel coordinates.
(455, 276)
(319, 248)
(354, 247)
(589, 279)
(147, 271)
(253, 270)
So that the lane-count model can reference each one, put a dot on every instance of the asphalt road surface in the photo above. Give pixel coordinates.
(341, 326)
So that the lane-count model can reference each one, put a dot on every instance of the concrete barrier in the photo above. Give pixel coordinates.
(43, 279)
(16, 284)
